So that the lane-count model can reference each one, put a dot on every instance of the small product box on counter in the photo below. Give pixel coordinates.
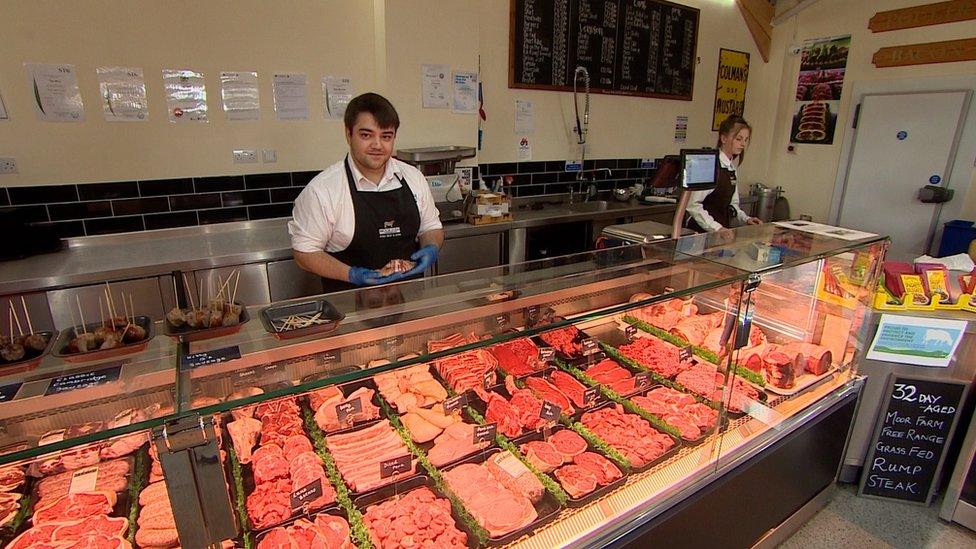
(488, 207)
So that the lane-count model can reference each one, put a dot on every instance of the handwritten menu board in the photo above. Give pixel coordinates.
(629, 47)
(910, 440)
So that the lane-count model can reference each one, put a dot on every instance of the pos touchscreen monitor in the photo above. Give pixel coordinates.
(699, 169)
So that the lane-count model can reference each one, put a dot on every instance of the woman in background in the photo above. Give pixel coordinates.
(718, 208)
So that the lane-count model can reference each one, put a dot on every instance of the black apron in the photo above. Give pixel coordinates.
(386, 228)
(718, 203)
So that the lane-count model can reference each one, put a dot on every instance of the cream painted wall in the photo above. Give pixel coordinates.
(316, 37)
(380, 43)
(808, 175)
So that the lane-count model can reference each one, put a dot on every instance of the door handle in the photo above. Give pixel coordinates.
(934, 194)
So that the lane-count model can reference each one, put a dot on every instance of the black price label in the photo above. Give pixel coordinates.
(631, 332)
(484, 433)
(84, 380)
(488, 378)
(306, 494)
(502, 320)
(205, 358)
(546, 353)
(549, 411)
(590, 395)
(396, 466)
(590, 346)
(642, 380)
(547, 314)
(454, 404)
(685, 354)
(346, 410)
(9, 391)
(531, 315)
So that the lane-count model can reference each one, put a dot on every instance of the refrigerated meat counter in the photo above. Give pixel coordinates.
(593, 399)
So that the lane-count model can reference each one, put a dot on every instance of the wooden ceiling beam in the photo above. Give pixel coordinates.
(758, 15)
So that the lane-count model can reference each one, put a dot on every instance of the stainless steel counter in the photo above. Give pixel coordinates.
(152, 253)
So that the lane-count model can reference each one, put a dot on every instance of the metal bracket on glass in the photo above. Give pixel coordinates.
(752, 283)
(194, 475)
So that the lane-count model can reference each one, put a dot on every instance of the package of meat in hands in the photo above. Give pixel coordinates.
(414, 508)
(502, 494)
(581, 469)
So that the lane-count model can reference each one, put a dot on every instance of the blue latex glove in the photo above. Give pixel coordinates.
(425, 258)
(365, 277)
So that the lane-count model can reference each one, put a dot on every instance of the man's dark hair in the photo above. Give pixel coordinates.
(376, 105)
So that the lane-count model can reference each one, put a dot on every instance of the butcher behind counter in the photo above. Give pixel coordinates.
(368, 219)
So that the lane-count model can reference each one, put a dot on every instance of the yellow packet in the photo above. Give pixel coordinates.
(938, 285)
(913, 285)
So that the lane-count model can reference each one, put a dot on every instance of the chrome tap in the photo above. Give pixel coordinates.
(591, 190)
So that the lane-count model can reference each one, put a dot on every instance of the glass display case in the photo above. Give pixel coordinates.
(569, 401)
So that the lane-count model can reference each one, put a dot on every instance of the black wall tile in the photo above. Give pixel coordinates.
(605, 163)
(108, 225)
(134, 206)
(170, 220)
(588, 164)
(555, 165)
(106, 191)
(501, 168)
(267, 180)
(223, 215)
(545, 177)
(268, 211)
(567, 177)
(531, 190)
(4, 197)
(222, 183)
(161, 187)
(44, 194)
(68, 229)
(557, 188)
(285, 195)
(194, 201)
(26, 214)
(245, 198)
(80, 210)
(300, 179)
(531, 167)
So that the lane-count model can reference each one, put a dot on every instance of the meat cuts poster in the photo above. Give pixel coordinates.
(823, 62)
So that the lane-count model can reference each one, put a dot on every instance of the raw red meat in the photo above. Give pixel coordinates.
(665, 314)
(815, 359)
(547, 392)
(269, 503)
(604, 469)
(112, 476)
(358, 455)
(327, 532)
(418, 518)
(543, 455)
(518, 357)
(496, 508)
(705, 380)
(327, 418)
(75, 506)
(95, 524)
(629, 434)
(680, 410)
(655, 355)
(607, 372)
(296, 444)
(501, 412)
(576, 480)
(565, 340)
(568, 443)
(463, 371)
(569, 386)
(694, 329)
(268, 467)
(244, 433)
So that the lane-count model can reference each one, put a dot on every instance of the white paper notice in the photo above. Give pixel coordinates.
(290, 96)
(186, 95)
(465, 92)
(3, 109)
(123, 94)
(336, 94)
(524, 118)
(524, 153)
(55, 92)
(825, 230)
(435, 86)
(239, 94)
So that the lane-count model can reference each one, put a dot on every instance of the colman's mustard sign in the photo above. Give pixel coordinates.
(730, 86)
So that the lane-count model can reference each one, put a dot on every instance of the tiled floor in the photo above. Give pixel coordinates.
(852, 522)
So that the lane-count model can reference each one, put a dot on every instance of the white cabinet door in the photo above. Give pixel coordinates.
(902, 142)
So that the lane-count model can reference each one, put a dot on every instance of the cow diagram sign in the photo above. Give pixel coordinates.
(918, 341)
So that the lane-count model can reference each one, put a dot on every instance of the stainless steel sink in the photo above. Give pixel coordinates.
(591, 206)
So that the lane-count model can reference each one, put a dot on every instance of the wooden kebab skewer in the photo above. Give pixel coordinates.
(73, 326)
(30, 326)
(233, 298)
(17, 320)
(81, 314)
(189, 294)
(101, 311)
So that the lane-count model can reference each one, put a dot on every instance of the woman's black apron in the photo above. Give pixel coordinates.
(718, 203)
(386, 228)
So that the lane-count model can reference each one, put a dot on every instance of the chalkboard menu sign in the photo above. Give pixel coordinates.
(629, 47)
(911, 437)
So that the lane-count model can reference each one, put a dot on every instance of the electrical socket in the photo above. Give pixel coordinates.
(245, 156)
(8, 165)
(269, 156)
